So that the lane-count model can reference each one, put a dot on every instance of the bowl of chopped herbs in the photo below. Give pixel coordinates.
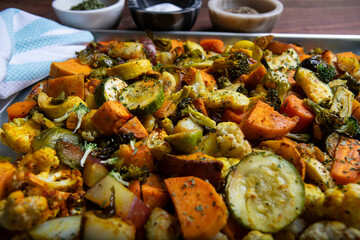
(89, 14)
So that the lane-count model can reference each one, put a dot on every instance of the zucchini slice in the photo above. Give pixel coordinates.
(143, 97)
(264, 192)
(109, 90)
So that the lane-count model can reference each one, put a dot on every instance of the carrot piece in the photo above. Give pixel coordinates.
(20, 109)
(166, 109)
(200, 105)
(140, 158)
(293, 106)
(6, 172)
(263, 123)
(69, 67)
(252, 79)
(134, 126)
(208, 79)
(214, 45)
(110, 117)
(154, 193)
(304, 56)
(134, 187)
(201, 210)
(72, 85)
(346, 168)
(231, 115)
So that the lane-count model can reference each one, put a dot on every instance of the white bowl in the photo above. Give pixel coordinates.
(103, 18)
(269, 13)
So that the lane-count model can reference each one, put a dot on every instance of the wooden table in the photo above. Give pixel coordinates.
(299, 16)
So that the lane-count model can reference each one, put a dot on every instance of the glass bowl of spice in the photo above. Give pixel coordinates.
(160, 15)
(89, 14)
(248, 16)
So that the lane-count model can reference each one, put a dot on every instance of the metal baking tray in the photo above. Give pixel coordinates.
(335, 43)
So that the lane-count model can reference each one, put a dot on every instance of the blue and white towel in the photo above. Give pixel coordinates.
(29, 44)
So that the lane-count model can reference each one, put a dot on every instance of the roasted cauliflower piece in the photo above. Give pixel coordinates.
(44, 164)
(231, 141)
(19, 213)
(342, 204)
(329, 230)
(39, 162)
(256, 235)
(314, 199)
(19, 134)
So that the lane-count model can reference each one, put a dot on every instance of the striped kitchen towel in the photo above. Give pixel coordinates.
(29, 44)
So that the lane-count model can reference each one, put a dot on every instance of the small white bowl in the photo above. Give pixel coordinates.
(103, 18)
(269, 13)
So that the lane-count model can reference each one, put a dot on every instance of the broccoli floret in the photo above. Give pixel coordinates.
(99, 73)
(242, 89)
(272, 98)
(119, 178)
(87, 148)
(108, 145)
(80, 111)
(223, 82)
(325, 72)
(352, 83)
(351, 128)
(278, 81)
(134, 173)
(330, 122)
(237, 65)
(110, 161)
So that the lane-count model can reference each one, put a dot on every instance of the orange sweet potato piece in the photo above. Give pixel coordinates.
(280, 47)
(252, 79)
(201, 210)
(214, 45)
(142, 157)
(195, 164)
(346, 168)
(287, 149)
(200, 105)
(69, 67)
(154, 193)
(166, 109)
(135, 126)
(110, 117)
(72, 85)
(231, 115)
(356, 109)
(262, 122)
(208, 79)
(177, 46)
(6, 172)
(20, 109)
(135, 188)
(293, 106)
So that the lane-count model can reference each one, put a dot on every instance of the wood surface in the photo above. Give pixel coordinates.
(299, 16)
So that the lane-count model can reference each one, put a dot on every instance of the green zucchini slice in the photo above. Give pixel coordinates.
(109, 90)
(264, 192)
(143, 97)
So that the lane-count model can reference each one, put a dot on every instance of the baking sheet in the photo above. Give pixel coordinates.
(335, 43)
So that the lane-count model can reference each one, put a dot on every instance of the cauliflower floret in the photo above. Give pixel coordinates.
(342, 204)
(44, 164)
(88, 130)
(231, 141)
(19, 134)
(39, 162)
(314, 199)
(19, 213)
(225, 98)
(329, 230)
